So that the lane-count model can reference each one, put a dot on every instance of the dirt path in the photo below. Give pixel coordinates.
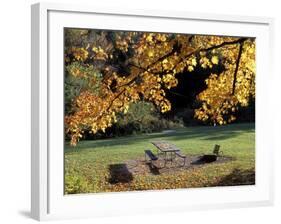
(140, 166)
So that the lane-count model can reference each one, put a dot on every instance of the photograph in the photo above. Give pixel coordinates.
(157, 111)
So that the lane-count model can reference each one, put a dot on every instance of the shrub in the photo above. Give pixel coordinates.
(141, 117)
(75, 184)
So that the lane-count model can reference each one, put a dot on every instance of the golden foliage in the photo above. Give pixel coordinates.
(153, 61)
(224, 91)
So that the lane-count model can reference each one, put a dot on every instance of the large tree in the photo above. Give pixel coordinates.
(108, 70)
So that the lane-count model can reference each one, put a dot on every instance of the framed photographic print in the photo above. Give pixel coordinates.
(148, 111)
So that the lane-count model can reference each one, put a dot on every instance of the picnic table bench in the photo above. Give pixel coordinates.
(151, 157)
(179, 154)
(150, 154)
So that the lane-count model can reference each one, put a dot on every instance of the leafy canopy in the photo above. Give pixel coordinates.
(107, 71)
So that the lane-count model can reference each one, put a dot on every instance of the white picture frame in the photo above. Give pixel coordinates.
(48, 201)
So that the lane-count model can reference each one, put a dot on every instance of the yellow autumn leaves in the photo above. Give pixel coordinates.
(79, 53)
(100, 54)
(215, 60)
(220, 101)
(153, 62)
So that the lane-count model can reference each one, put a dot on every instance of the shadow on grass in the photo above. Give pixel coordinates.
(204, 159)
(153, 169)
(119, 173)
(238, 177)
(202, 132)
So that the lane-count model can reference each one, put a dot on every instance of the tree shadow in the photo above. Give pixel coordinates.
(202, 132)
(238, 177)
(119, 173)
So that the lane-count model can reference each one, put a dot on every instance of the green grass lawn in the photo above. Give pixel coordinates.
(86, 165)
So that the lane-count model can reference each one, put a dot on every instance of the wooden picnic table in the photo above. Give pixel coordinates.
(166, 148)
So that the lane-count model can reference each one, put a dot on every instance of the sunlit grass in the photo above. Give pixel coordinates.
(86, 165)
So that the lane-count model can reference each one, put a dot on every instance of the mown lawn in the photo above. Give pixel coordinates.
(87, 164)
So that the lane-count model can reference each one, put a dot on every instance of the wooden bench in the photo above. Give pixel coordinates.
(179, 154)
(149, 153)
(217, 151)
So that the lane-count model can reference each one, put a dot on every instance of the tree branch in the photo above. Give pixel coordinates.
(236, 67)
(238, 41)
(178, 94)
